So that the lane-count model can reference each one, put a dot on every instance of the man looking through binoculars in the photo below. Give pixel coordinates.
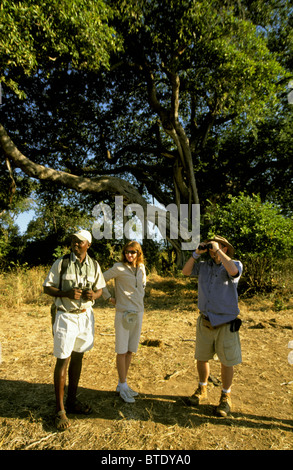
(217, 325)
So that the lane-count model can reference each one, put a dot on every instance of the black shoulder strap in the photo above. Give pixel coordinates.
(64, 264)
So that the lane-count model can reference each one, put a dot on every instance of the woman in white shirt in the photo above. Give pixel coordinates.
(130, 279)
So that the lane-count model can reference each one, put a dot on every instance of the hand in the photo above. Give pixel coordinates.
(201, 249)
(112, 300)
(215, 246)
(74, 293)
(88, 294)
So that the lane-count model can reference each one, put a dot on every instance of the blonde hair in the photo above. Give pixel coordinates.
(135, 246)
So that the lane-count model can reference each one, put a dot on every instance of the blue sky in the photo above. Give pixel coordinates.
(23, 219)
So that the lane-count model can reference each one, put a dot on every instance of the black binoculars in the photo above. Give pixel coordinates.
(207, 246)
(84, 289)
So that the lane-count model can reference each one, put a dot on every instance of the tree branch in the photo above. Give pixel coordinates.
(78, 183)
(95, 185)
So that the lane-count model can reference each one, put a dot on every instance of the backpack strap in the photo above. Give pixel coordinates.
(64, 265)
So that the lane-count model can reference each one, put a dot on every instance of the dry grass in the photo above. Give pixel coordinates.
(163, 371)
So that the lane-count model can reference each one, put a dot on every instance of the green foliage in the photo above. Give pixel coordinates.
(252, 226)
(11, 243)
(36, 33)
(219, 53)
(90, 96)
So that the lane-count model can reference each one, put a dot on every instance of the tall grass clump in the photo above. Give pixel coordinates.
(23, 285)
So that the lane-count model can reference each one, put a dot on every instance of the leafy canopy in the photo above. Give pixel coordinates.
(35, 34)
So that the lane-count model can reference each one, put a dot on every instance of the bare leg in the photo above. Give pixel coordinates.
(200, 394)
(225, 405)
(203, 369)
(123, 362)
(60, 372)
(227, 373)
(74, 375)
(128, 358)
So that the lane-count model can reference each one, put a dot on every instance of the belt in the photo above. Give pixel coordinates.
(206, 322)
(74, 311)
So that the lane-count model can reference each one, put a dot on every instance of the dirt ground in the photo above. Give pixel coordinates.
(163, 371)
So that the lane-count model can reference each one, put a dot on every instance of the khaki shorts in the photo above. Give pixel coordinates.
(127, 340)
(73, 332)
(220, 341)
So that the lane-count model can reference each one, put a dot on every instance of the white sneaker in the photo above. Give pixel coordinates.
(125, 395)
(131, 392)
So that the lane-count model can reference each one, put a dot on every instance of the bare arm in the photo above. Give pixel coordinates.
(220, 255)
(74, 293)
(187, 268)
(228, 263)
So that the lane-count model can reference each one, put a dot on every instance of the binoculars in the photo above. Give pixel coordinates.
(84, 289)
(207, 246)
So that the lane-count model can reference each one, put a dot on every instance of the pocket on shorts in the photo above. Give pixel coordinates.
(232, 350)
(64, 336)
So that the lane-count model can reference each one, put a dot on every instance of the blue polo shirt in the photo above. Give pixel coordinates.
(217, 291)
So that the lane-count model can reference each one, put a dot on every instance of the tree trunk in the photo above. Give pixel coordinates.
(184, 180)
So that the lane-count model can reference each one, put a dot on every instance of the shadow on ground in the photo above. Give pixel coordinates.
(24, 400)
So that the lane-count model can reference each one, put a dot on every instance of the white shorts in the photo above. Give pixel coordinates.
(73, 332)
(127, 340)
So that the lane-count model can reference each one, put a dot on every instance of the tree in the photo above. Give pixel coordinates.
(186, 67)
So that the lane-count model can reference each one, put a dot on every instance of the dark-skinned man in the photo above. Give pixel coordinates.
(73, 328)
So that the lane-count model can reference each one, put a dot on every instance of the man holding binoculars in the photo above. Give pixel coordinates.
(75, 287)
(217, 325)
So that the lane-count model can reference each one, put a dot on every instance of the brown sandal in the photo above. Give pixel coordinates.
(61, 421)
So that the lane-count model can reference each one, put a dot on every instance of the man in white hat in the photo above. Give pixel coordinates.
(75, 289)
(217, 325)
